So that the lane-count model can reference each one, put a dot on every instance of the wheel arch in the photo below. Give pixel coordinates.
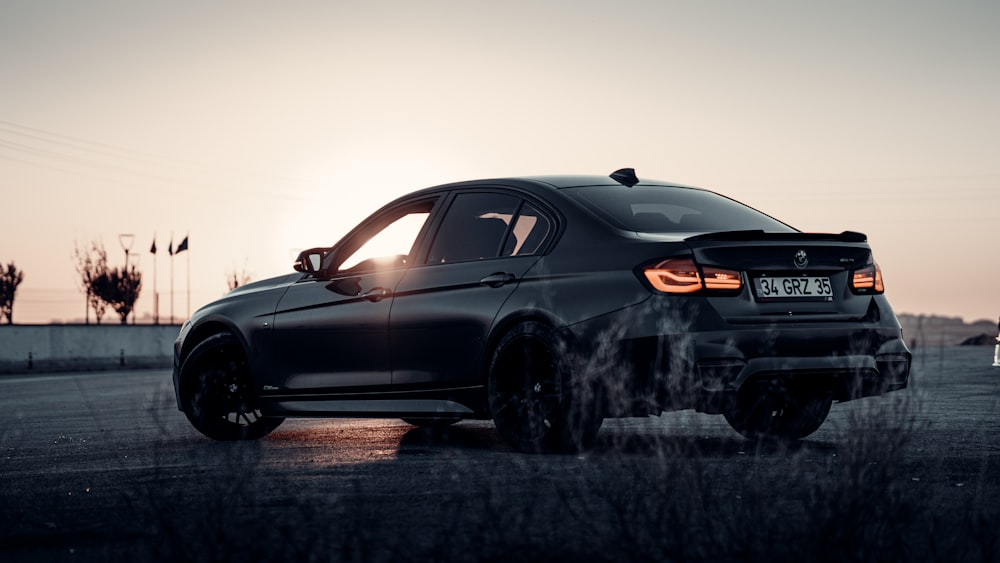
(198, 334)
(215, 389)
(534, 398)
(205, 330)
(504, 325)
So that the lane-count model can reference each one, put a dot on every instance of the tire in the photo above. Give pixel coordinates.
(535, 402)
(769, 410)
(431, 422)
(216, 392)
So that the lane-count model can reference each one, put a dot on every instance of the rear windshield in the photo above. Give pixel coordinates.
(661, 209)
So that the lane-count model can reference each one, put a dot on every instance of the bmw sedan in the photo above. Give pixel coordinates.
(548, 304)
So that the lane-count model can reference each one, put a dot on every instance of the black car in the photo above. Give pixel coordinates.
(548, 304)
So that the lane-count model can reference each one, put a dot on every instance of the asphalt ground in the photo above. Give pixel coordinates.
(101, 465)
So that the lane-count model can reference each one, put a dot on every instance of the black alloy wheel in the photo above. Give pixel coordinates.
(216, 394)
(772, 410)
(536, 405)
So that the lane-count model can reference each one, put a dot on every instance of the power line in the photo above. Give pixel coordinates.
(119, 152)
(76, 156)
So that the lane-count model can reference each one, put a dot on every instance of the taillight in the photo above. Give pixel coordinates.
(682, 275)
(724, 280)
(868, 280)
(677, 275)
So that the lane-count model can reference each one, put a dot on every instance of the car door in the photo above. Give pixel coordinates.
(330, 331)
(445, 306)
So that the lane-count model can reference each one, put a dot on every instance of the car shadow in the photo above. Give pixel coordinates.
(480, 437)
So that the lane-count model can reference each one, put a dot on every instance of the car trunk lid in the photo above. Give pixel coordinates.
(788, 276)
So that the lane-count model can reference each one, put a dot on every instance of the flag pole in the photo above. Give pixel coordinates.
(170, 251)
(156, 295)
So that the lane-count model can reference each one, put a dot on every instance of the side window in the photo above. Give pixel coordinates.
(388, 243)
(532, 230)
(474, 228)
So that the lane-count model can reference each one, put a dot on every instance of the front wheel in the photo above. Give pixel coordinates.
(216, 393)
(768, 410)
(536, 404)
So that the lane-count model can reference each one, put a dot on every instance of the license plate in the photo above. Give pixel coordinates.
(804, 287)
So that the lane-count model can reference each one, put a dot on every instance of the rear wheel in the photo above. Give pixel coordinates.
(770, 410)
(216, 392)
(536, 404)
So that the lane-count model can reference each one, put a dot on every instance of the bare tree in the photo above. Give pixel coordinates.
(234, 280)
(92, 265)
(119, 288)
(10, 278)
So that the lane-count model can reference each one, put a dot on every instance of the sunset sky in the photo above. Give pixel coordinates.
(260, 128)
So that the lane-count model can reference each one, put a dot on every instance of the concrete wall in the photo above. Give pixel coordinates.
(43, 348)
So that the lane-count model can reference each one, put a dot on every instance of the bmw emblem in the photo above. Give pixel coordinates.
(801, 259)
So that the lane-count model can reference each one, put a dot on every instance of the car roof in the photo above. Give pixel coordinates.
(533, 184)
(557, 182)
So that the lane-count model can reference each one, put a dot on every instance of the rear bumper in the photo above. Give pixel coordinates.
(845, 376)
(671, 362)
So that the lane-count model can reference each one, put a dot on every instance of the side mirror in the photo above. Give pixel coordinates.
(310, 261)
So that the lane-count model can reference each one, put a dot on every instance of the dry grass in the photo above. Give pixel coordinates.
(685, 491)
(635, 497)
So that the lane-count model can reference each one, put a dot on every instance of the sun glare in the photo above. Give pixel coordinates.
(396, 239)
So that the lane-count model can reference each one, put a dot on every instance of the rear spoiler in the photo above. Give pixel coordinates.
(757, 234)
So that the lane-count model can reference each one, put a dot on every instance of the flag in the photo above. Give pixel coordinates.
(170, 248)
(182, 246)
(152, 249)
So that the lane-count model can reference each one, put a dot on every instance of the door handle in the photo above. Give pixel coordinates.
(497, 279)
(377, 294)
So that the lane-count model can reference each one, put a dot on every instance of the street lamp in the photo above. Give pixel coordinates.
(126, 241)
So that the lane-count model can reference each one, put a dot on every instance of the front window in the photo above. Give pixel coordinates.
(388, 242)
(661, 209)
